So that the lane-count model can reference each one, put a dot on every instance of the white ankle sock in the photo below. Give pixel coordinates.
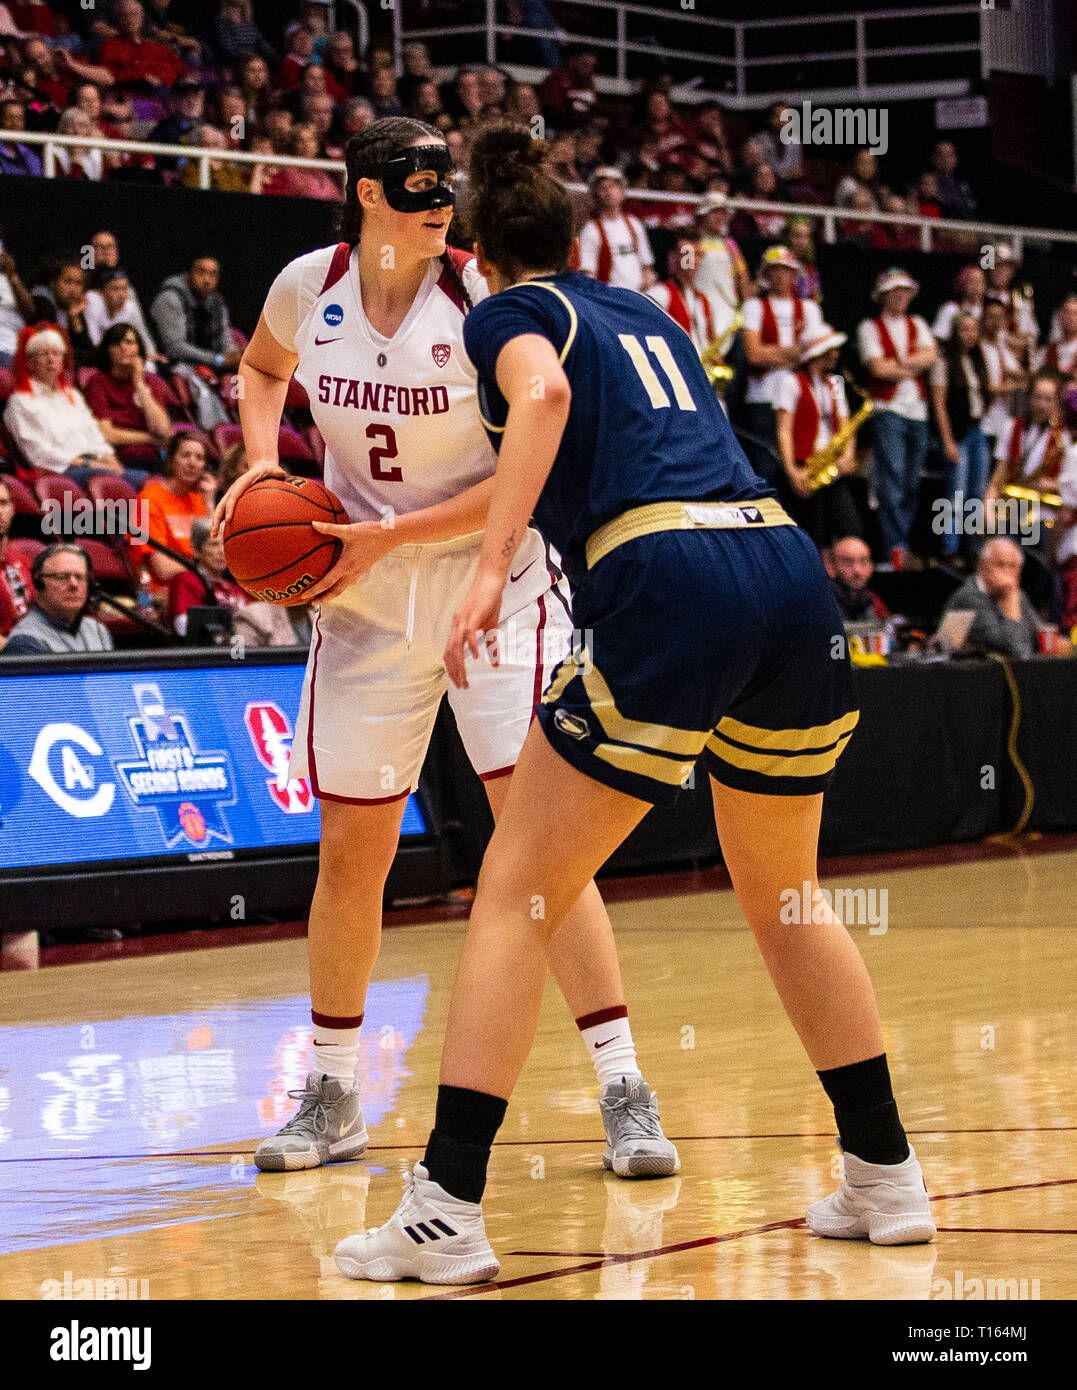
(336, 1048)
(607, 1035)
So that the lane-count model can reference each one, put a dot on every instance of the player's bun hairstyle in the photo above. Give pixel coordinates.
(364, 155)
(520, 215)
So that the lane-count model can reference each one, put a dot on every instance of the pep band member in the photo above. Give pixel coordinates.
(373, 329)
(660, 519)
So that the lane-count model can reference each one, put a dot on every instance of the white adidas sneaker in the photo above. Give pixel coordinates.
(431, 1236)
(886, 1203)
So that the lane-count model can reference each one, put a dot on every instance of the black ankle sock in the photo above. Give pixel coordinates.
(458, 1149)
(865, 1111)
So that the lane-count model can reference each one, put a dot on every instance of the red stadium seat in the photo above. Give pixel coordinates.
(317, 444)
(292, 446)
(55, 487)
(107, 487)
(26, 503)
(110, 565)
(181, 390)
(27, 547)
(224, 436)
(297, 398)
(229, 393)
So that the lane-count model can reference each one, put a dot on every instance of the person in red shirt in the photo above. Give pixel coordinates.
(129, 403)
(130, 58)
(568, 95)
(16, 585)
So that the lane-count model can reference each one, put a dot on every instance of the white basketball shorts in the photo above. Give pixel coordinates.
(375, 675)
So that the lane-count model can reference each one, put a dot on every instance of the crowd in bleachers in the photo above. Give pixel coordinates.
(107, 398)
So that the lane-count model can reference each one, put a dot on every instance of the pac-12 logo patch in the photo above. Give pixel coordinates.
(572, 724)
(440, 352)
(333, 315)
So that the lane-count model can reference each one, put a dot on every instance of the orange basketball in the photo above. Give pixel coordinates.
(270, 545)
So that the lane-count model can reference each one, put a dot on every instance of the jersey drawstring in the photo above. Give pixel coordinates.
(409, 630)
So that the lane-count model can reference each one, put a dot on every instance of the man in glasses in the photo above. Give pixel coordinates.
(57, 621)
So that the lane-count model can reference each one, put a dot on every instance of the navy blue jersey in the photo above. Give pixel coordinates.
(644, 424)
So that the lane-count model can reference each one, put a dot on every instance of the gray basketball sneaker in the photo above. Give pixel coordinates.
(328, 1128)
(635, 1144)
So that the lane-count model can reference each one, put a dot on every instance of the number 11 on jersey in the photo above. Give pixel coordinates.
(647, 374)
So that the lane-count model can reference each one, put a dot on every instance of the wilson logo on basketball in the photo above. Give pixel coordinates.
(278, 595)
(440, 352)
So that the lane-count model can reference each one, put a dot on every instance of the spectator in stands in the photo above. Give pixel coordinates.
(810, 407)
(766, 226)
(661, 127)
(954, 196)
(174, 502)
(358, 113)
(679, 296)
(236, 35)
(16, 586)
(223, 176)
(163, 29)
(77, 161)
(492, 85)
(314, 14)
(318, 110)
(613, 244)
(1031, 452)
(960, 397)
(382, 94)
(589, 141)
(342, 65)
(195, 334)
(425, 104)
(722, 275)
(849, 564)
(1061, 356)
(48, 418)
(58, 621)
(1005, 620)
(711, 140)
(298, 58)
(462, 98)
(1003, 369)
(119, 124)
(305, 183)
(1022, 330)
(894, 236)
(924, 196)
(113, 303)
(256, 84)
(230, 116)
(129, 402)
(970, 286)
(859, 230)
(1065, 557)
(234, 461)
(259, 624)
(41, 73)
(522, 103)
(897, 351)
(568, 94)
(863, 174)
(86, 97)
(561, 157)
(15, 156)
(187, 103)
(278, 125)
(61, 298)
(105, 256)
(797, 235)
(785, 156)
(776, 325)
(135, 60)
(418, 70)
(16, 305)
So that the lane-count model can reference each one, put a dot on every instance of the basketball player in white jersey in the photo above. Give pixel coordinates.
(373, 329)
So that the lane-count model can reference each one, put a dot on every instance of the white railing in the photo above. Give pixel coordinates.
(730, 72)
(827, 217)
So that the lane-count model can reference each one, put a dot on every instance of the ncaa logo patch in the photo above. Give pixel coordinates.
(572, 724)
(333, 315)
(440, 352)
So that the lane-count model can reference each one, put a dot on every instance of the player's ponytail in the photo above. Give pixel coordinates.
(520, 214)
(364, 155)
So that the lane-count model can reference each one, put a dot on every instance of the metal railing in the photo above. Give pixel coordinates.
(828, 217)
(728, 54)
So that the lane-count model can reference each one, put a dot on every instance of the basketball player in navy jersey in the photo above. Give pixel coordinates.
(714, 644)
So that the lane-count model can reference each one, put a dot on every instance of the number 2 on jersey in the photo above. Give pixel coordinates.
(380, 452)
(647, 374)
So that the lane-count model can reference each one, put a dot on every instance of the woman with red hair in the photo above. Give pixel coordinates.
(48, 417)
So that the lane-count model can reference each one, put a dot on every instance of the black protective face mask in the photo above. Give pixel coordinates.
(396, 171)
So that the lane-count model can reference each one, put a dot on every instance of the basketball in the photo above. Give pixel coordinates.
(270, 544)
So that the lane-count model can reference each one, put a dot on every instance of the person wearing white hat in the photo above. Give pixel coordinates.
(810, 407)
(1022, 329)
(722, 275)
(613, 244)
(776, 321)
(898, 351)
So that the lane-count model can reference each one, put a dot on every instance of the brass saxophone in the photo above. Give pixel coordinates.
(713, 355)
(1048, 504)
(822, 466)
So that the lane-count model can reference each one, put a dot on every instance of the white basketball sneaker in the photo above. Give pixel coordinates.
(431, 1236)
(886, 1203)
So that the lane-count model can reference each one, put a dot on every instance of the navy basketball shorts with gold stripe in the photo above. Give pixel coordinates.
(718, 648)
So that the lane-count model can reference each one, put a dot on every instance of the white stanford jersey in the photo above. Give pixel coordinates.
(399, 415)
